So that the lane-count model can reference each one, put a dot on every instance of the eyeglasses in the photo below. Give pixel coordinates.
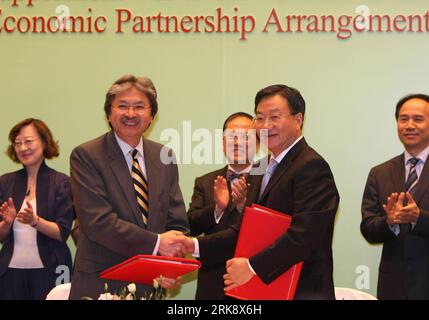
(244, 136)
(27, 143)
(137, 108)
(274, 119)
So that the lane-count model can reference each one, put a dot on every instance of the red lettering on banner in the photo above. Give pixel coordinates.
(15, 3)
(121, 19)
(97, 28)
(273, 15)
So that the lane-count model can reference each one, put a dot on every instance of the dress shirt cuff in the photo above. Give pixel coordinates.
(218, 216)
(395, 229)
(250, 267)
(155, 251)
(196, 253)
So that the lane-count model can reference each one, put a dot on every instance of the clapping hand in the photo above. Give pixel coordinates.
(397, 213)
(409, 213)
(220, 194)
(239, 192)
(27, 216)
(8, 211)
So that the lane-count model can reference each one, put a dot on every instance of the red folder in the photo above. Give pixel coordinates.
(260, 227)
(145, 268)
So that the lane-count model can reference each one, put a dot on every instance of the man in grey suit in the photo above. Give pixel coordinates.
(127, 200)
(395, 207)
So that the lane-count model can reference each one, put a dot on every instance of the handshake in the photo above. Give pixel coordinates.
(175, 244)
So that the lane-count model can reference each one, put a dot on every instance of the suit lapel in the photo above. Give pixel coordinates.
(397, 173)
(284, 165)
(44, 191)
(19, 189)
(122, 173)
(254, 185)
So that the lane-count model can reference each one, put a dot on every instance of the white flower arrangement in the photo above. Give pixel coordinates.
(129, 293)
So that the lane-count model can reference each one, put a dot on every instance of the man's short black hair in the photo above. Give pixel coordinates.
(236, 115)
(401, 102)
(295, 101)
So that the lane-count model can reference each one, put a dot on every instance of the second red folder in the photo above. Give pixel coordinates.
(260, 228)
(144, 268)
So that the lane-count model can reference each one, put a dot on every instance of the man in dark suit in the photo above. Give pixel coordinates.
(297, 181)
(214, 206)
(126, 195)
(395, 207)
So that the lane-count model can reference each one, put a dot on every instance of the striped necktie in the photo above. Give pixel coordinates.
(140, 187)
(412, 176)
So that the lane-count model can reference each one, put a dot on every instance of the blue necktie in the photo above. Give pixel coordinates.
(267, 176)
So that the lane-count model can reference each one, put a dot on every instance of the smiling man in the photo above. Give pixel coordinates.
(220, 196)
(127, 201)
(395, 207)
(298, 182)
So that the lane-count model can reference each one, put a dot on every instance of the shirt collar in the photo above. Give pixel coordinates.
(422, 155)
(126, 148)
(280, 157)
(246, 170)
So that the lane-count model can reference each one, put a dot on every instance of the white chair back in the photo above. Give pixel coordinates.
(352, 294)
(60, 292)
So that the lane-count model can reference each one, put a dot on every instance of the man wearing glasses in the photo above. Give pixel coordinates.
(297, 181)
(220, 196)
(127, 200)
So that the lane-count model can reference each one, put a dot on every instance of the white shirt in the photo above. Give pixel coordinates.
(126, 150)
(422, 156)
(25, 251)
